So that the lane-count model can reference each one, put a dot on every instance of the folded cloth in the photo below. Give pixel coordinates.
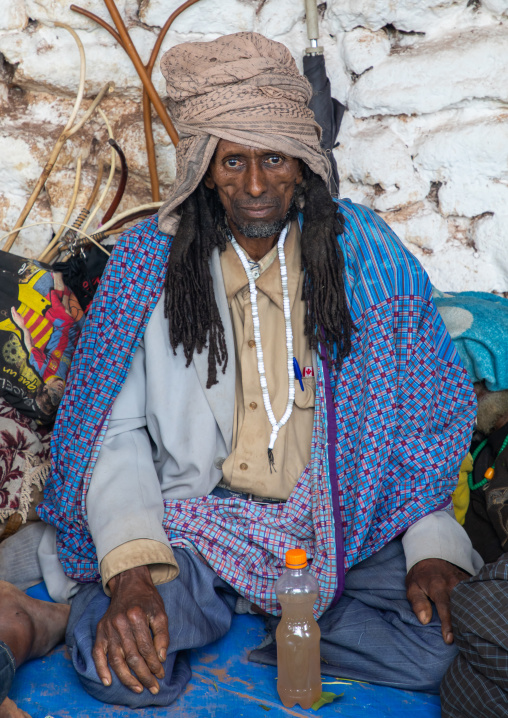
(478, 325)
(24, 462)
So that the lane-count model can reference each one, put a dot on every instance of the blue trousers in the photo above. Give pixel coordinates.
(7, 670)
(371, 634)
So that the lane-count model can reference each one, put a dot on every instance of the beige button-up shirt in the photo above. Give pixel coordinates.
(247, 469)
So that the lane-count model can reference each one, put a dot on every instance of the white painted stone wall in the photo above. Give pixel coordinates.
(424, 143)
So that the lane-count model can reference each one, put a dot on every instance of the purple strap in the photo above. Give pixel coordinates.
(331, 421)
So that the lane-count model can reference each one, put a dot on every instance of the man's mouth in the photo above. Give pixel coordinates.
(260, 210)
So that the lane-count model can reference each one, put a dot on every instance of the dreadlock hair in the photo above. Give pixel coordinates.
(190, 305)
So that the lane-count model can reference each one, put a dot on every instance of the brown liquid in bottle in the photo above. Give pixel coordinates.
(298, 655)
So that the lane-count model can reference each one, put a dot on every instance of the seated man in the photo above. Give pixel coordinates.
(263, 368)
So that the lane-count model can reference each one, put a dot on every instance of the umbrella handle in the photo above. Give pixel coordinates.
(312, 28)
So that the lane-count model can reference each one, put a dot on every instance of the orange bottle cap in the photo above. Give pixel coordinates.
(296, 558)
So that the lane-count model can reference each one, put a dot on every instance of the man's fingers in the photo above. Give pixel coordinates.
(441, 598)
(159, 626)
(145, 644)
(129, 630)
(99, 654)
(118, 660)
(419, 603)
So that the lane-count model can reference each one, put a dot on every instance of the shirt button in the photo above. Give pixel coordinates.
(244, 467)
(252, 343)
(218, 462)
(253, 405)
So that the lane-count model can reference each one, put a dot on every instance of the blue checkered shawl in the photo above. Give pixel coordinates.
(390, 429)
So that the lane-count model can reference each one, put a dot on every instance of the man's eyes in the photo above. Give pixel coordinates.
(271, 160)
(274, 160)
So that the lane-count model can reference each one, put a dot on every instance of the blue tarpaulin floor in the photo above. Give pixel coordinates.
(223, 683)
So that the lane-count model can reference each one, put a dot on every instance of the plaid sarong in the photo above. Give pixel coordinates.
(390, 430)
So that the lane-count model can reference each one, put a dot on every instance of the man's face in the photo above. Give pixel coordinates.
(255, 186)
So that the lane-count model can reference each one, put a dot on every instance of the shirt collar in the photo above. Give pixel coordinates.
(268, 281)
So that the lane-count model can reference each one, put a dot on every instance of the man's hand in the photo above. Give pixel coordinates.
(434, 579)
(124, 634)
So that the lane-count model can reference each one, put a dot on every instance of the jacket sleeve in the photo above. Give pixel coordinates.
(124, 503)
(439, 535)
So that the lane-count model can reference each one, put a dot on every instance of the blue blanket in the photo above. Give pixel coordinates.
(478, 325)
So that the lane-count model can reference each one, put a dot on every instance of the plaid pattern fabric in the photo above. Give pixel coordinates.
(476, 684)
(403, 406)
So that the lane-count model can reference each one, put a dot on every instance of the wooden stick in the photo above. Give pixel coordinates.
(111, 174)
(140, 69)
(69, 226)
(49, 251)
(147, 115)
(51, 163)
(79, 97)
(69, 209)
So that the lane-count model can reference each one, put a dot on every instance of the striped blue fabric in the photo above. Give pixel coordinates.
(404, 409)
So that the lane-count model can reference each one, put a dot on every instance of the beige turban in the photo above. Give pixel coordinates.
(242, 88)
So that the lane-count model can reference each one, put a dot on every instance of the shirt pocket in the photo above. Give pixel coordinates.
(305, 399)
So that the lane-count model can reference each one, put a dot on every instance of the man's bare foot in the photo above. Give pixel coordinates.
(9, 709)
(30, 628)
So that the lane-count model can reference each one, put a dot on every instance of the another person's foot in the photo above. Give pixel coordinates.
(30, 628)
(9, 709)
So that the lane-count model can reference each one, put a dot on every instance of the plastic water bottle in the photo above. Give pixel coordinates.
(298, 635)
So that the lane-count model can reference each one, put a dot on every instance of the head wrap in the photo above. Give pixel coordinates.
(243, 88)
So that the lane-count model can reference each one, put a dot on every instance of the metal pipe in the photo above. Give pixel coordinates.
(312, 20)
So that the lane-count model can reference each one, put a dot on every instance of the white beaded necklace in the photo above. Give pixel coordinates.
(276, 425)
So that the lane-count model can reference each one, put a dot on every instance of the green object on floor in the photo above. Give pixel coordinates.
(326, 698)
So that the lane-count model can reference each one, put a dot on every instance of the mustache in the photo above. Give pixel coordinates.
(257, 203)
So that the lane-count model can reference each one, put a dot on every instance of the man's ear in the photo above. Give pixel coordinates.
(299, 175)
(208, 179)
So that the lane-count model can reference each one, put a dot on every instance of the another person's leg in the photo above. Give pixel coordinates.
(372, 633)
(476, 684)
(28, 629)
(199, 606)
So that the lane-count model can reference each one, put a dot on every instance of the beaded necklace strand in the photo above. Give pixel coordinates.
(489, 474)
(276, 425)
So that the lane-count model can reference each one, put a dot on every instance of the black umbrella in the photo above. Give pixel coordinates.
(327, 110)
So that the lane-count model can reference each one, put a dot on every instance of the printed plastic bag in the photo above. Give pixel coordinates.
(40, 322)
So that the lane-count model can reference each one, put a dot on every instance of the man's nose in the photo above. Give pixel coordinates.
(255, 180)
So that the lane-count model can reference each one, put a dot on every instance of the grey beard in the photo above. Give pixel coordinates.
(263, 230)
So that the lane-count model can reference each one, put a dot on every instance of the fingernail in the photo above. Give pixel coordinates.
(106, 681)
(162, 655)
(138, 689)
(422, 617)
(449, 637)
(154, 690)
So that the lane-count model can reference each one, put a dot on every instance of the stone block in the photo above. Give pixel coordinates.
(490, 241)
(375, 156)
(431, 76)
(419, 225)
(47, 11)
(13, 15)
(47, 60)
(363, 49)
(497, 7)
(206, 16)
(407, 15)
(278, 17)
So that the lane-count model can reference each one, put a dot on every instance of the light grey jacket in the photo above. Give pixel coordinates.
(167, 438)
